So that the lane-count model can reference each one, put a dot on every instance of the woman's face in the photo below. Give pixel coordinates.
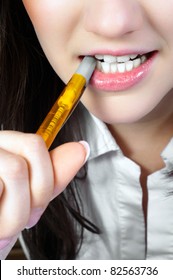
(134, 41)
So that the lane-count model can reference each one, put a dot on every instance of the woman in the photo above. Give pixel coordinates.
(121, 205)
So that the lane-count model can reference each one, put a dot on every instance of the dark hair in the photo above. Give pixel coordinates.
(28, 88)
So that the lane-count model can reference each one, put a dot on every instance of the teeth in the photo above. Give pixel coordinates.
(99, 57)
(121, 67)
(110, 58)
(123, 58)
(105, 67)
(114, 68)
(129, 66)
(112, 64)
(99, 65)
(133, 56)
(143, 58)
(137, 62)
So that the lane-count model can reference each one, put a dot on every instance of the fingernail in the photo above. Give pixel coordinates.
(5, 242)
(34, 217)
(87, 149)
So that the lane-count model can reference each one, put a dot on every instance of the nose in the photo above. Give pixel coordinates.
(113, 18)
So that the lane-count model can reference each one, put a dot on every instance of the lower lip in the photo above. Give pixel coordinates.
(122, 81)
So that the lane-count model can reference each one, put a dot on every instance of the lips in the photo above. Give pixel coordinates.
(116, 76)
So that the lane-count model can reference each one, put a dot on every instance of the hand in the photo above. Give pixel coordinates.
(30, 177)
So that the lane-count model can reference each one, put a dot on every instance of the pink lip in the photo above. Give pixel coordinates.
(122, 81)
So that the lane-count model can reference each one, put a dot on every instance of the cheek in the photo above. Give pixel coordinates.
(54, 25)
(48, 14)
(160, 15)
(41, 13)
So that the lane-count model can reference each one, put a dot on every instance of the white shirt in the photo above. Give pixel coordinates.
(112, 198)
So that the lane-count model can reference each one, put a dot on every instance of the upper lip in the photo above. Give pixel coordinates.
(120, 52)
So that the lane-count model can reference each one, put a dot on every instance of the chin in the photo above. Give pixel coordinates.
(119, 118)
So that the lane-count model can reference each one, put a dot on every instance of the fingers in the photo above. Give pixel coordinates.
(30, 177)
(15, 192)
(33, 149)
(6, 246)
(67, 160)
(27, 181)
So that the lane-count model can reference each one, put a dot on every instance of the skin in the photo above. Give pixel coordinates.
(87, 28)
(36, 174)
(139, 113)
(68, 29)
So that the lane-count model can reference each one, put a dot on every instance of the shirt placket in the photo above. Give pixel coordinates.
(160, 216)
(132, 223)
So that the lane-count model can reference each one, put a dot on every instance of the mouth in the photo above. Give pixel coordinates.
(121, 64)
(117, 73)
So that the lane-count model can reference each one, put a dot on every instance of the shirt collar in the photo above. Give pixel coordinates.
(167, 156)
(98, 136)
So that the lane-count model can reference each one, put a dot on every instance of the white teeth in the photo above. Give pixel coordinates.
(137, 62)
(143, 58)
(123, 58)
(110, 58)
(129, 66)
(114, 68)
(133, 56)
(99, 57)
(99, 65)
(105, 67)
(112, 64)
(121, 67)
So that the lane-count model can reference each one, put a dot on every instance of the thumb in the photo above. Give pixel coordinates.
(67, 159)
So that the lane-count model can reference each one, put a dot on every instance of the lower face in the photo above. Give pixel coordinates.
(134, 53)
